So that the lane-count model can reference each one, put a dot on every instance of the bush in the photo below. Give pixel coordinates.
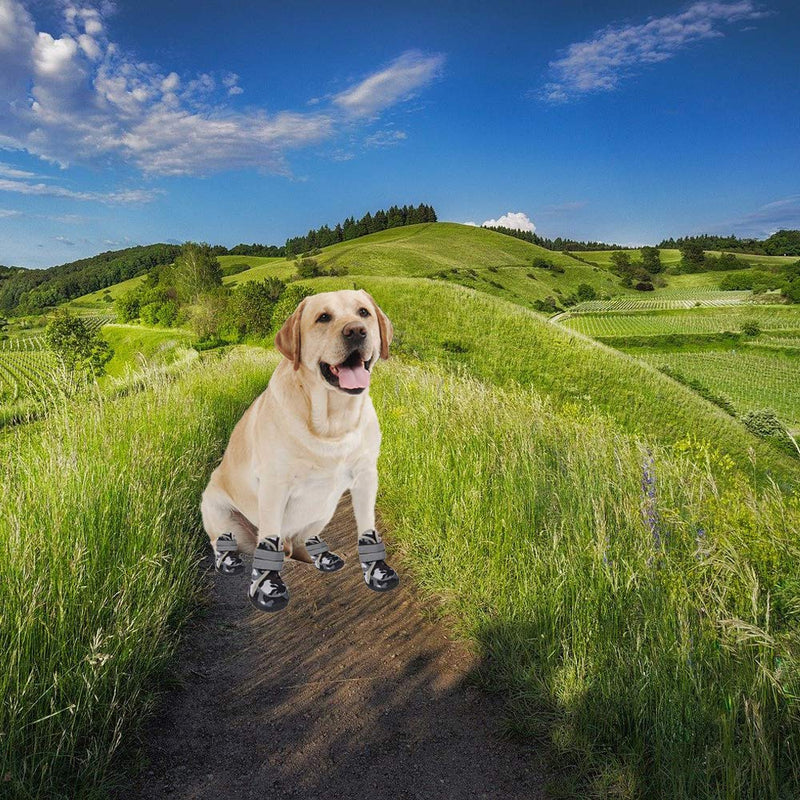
(765, 424)
(234, 269)
(751, 328)
(586, 292)
(126, 307)
(644, 286)
(288, 302)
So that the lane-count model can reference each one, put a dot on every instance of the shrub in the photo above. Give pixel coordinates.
(751, 328)
(644, 286)
(586, 292)
(234, 269)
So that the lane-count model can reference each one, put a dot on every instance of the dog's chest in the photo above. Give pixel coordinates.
(314, 495)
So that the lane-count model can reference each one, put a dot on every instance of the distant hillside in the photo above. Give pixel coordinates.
(475, 257)
(782, 243)
(30, 291)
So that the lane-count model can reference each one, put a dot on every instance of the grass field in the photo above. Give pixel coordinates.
(474, 257)
(666, 299)
(106, 567)
(636, 607)
(751, 380)
(623, 552)
(689, 321)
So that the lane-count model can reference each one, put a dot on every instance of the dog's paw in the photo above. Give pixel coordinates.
(267, 591)
(327, 561)
(379, 576)
(226, 556)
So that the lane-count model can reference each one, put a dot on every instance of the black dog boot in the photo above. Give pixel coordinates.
(323, 559)
(378, 575)
(226, 555)
(267, 590)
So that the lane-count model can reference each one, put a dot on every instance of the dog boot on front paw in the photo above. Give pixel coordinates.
(226, 555)
(321, 556)
(267, 590)
(378, 575)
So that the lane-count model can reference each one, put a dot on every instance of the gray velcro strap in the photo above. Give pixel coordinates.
(268, 559)
(367, 553)
(316, 548)
(226, 545)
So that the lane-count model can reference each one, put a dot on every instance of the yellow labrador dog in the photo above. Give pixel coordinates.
(311, 435)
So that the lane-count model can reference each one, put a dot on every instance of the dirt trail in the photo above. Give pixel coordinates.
(346, 694)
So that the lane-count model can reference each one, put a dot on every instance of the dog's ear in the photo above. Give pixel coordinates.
(384, 326)
(287, 340)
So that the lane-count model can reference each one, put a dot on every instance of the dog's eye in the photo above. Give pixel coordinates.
(363, 312)
(324, 317)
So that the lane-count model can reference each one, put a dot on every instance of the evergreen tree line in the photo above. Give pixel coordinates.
(781, 243)
(558, 244)
(395, 217)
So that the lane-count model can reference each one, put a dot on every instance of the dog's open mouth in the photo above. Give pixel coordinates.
(351, 376)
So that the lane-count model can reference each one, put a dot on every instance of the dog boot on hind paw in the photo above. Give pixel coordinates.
(227, 560)
(267, 590)
(321, 556)
(378, 575)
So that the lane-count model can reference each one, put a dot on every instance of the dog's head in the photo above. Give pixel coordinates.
(338, 336)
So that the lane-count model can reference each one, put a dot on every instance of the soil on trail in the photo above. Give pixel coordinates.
(347, 693)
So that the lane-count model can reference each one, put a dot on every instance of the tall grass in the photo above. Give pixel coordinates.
(638, 603)
(99, 543)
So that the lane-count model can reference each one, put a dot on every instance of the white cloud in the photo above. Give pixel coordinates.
(5, 213)
(385, 138)
(517, 220)
(7, 171)
(78, 97)
(614, 53)
(766, 220)
(118, 197)
(411, 71)
(471, 224)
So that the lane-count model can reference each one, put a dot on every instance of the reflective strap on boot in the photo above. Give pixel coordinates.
(316, 548)
(367, 553)
(268, 559)
(226, 545)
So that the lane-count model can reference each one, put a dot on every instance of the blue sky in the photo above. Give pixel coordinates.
(136, 122)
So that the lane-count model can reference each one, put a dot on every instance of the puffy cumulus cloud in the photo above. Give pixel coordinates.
(78, 97)
(399, 81)
(614, 53)
(516, 220)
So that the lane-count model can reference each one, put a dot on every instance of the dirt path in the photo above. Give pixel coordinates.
(345, 694)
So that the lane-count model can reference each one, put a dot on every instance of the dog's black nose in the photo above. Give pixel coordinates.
(354, 330)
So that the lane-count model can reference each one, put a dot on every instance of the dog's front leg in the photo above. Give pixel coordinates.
(267, 590)
(378, 575)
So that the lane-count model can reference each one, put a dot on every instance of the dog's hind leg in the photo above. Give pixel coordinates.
(227, 530)
(318, 550)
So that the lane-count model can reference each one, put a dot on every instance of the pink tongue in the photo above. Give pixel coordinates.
(353, 377)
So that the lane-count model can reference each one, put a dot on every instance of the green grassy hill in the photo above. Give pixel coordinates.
(463, 254)
(622, 552)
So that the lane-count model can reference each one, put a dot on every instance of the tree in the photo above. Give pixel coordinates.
(692, 255)
(196, 271)
(79, 347)
(651, 260)
(252, 304)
